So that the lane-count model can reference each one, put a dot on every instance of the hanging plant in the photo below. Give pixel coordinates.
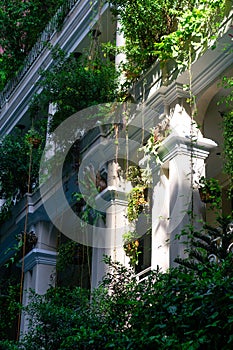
(210, 191)
(136, 203)
(33, 137)
(131, 247)
(30, 240)
(134, 175)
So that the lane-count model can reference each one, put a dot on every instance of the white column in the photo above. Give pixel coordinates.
(116, 225)
(174, 195)
(39, 265)
(39, 268)
(120, 42)
(160, 217)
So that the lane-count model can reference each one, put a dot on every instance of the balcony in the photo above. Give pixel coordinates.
(82, 15)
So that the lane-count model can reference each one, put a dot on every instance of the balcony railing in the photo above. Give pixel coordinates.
(143, 275)
(44, 38)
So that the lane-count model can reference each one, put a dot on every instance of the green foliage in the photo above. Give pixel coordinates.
(208, 246)
(9, 303)
(227, 124)
(74, 84)
(210, 191)
(67, 253)
(134, 175)
(15, 251)
(14, 164)
(21, 23)
(136, 202)
(8, 345)
(228, 146)
(166, 29)
(143, 23)
(15, 152)
(172, 310)
(5, 211)
(131, 245)
(55, 317)
(88, 211)
(151, 148)
(196, 27)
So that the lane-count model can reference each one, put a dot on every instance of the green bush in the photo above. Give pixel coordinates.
(73, 84)
(179, 309)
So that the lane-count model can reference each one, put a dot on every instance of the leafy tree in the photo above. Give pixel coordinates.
(9, 301)
(14, 165)
(76, 83)
(21, 22)
(145, 22)
(57, 315)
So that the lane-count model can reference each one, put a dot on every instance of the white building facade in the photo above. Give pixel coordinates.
(189, 150)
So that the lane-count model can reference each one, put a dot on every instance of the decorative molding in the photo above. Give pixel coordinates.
(111, 195)
(39, 256)
(174, 145)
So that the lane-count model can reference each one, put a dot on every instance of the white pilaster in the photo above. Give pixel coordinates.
(120, 43)
(116, 225)
(183, 155)
(39, 268)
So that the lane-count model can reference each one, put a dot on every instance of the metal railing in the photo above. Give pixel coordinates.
(38, 47)
(143, 275)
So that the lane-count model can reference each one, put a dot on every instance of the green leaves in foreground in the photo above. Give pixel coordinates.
(179, 309)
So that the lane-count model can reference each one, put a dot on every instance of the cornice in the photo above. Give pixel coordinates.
(39, 256)
(175, 145)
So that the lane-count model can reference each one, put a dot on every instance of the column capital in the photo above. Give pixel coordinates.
(109, 195)
(175, 145)
(39, 256)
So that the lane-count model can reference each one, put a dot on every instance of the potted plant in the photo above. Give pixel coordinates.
(134, 175)
(210, 190)
(33, 137)
(137, 202)
(131, 247)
